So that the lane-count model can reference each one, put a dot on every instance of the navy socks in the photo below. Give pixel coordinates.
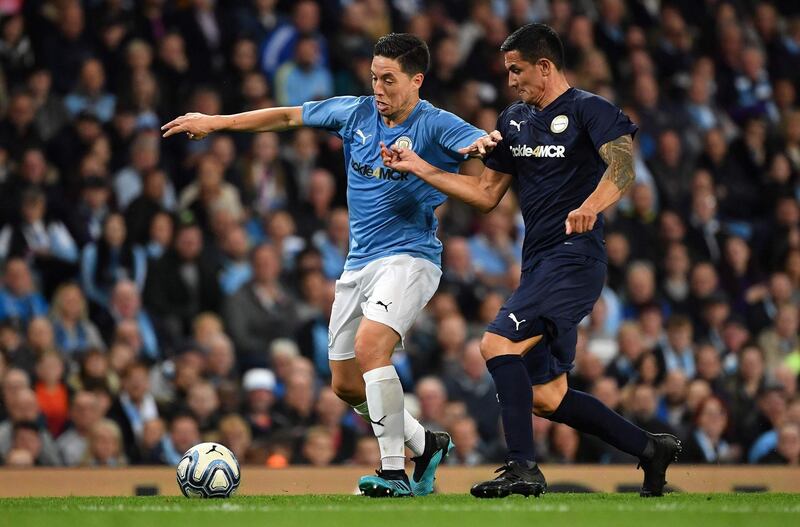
(585, 413)
(516, 404)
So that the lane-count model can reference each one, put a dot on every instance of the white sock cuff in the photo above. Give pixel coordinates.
(384, 373)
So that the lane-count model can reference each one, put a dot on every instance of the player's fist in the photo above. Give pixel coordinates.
(195, 125)
(402, 159)
(580, 220)
(482, 146)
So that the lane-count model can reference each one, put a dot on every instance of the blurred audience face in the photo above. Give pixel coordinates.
(789, 443)
(300, 393)
(202, 400)
(751, 364)
(235, 434)
(125, 300)
(266, 265)
(329, 408)
(641, 284)
(368, 453)
(607, 391)
(85, 411)
(136, 383)
(709, 366)
(318, 447)
(432, 398)
(221, 359)
(18, 278)
(712, 418)
(184, 433)
(105, 442)
(465, 435)
(189, 243)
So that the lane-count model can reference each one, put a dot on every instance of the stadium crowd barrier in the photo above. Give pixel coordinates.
(342, 480)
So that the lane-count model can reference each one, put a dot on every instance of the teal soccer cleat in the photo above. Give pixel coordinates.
(437, 446)
(387, 484)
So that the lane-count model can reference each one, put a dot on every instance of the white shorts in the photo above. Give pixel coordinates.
(391, 290)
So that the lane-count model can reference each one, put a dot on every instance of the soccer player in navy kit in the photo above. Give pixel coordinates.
(570, 152)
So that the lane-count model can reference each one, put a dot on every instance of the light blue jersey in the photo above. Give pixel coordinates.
(391, 212)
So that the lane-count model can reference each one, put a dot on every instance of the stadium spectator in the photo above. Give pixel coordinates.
(330, 412)
(706, 442)
(183, 282)
(259, 386)
(23, 412)
(19, 299)
(432, 396)
(304, 78)
(260, 311)
(134, 406)
(84, 414)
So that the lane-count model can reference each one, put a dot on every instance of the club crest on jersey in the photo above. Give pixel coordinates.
(404, 142)
(538, 151)
(559, 124)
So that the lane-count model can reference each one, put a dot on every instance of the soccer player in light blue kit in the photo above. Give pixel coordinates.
(393, 267)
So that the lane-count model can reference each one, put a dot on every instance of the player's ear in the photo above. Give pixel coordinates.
(546, 66)
(417, 79)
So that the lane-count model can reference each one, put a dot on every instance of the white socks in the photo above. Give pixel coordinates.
(386, 413)
(413, 432)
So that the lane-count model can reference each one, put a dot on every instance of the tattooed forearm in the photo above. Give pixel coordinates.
(618, 155)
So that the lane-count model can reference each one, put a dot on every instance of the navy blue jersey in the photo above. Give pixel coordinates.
(553, 155)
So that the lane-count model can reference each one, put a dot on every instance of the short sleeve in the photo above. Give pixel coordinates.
(604, 121)
(453, 133)
(500, 159)
(331, 114)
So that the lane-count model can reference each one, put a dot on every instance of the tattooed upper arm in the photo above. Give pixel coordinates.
(618, 155)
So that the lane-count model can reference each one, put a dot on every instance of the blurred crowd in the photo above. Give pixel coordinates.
(156, 293)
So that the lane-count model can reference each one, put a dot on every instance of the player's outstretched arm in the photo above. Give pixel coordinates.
(483, 193)
(617, 179)
(199, 125)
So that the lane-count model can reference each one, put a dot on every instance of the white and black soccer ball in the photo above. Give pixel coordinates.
(208, 470)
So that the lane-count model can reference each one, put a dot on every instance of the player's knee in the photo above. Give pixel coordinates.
(546, 401)
(488, 350)
(367, 352)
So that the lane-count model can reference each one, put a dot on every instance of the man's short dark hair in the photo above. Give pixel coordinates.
(409, 51)
(534, 42)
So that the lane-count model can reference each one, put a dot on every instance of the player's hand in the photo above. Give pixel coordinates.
(402, 159)
(482, 146)
(580, 220)
(195, 125)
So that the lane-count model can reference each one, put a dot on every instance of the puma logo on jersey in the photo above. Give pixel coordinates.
(512, 122)
(539, 151)
(384, 306)
(513, 318)
(363, 137)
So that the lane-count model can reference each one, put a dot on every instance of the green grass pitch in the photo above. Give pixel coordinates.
(552, 510)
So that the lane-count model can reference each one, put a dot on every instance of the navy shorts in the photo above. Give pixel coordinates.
(553, 297)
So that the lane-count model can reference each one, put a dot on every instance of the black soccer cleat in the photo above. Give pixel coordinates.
(437, 446)
(386, 484)
(516, 477)
(667, 448)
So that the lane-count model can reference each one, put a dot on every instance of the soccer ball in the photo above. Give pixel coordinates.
(208, 470)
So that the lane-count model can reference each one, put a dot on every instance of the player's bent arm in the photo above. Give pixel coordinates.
(483, 192)
(618, 177)
(199, 125)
